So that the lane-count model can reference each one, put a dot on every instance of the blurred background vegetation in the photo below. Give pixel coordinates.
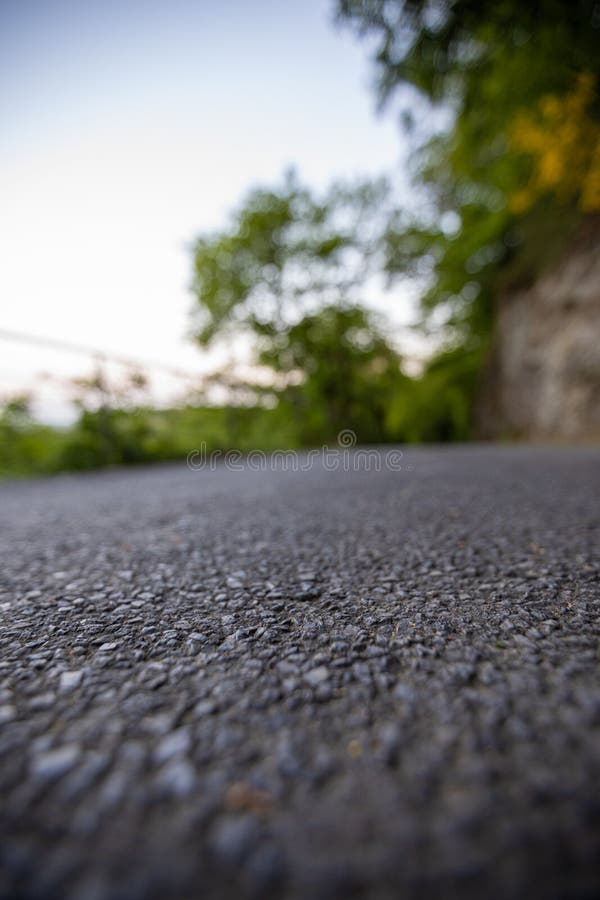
(500, 99)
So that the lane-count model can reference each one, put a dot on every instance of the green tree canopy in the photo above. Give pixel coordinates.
(349, 374)
(290, 270)
(488, 64)
(451, 50)
(285, 253)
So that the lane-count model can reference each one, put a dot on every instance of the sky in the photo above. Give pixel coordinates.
(131, 126)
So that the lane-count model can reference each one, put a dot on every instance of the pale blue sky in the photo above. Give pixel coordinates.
(129, 126)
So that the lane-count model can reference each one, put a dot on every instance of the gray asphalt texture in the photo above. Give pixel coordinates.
(319, 684)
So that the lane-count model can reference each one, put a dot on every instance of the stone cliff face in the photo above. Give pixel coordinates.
(543, 377)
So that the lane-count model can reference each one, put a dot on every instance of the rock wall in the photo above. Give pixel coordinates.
(543, 377)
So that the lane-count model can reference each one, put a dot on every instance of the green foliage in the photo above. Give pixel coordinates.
(285, 253)
(26, 447)
(289, 271)
(447, 49)
(366, 390)
(128, 435)
(108, 437)
(437, 406)
(349, 372)
(484, 62)
(507, 80)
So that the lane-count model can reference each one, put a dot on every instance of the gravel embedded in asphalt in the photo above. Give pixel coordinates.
(303, 684)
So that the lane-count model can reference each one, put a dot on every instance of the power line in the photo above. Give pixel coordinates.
(81, 349)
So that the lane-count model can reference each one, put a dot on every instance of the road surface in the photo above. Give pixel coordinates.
(319, 684)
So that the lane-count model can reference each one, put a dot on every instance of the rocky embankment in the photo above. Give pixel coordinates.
(543, 380)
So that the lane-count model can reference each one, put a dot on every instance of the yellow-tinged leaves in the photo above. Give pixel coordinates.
(563, 141)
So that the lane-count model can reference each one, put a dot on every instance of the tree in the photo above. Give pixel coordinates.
(289, 272)
(26, 446)
(113, 426)
(569, 164)
(286, 252)
(349, 373)
(491, 65)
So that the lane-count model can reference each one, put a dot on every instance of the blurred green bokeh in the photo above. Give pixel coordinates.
(499, 188)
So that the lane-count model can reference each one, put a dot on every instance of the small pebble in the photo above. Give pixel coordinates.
(317, 676)
(175, 744)
(7, 713)
(69, 681)
(55, 763)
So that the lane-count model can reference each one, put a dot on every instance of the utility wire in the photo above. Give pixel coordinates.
(69, 347)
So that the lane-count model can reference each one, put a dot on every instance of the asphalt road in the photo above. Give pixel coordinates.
(303, 684)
